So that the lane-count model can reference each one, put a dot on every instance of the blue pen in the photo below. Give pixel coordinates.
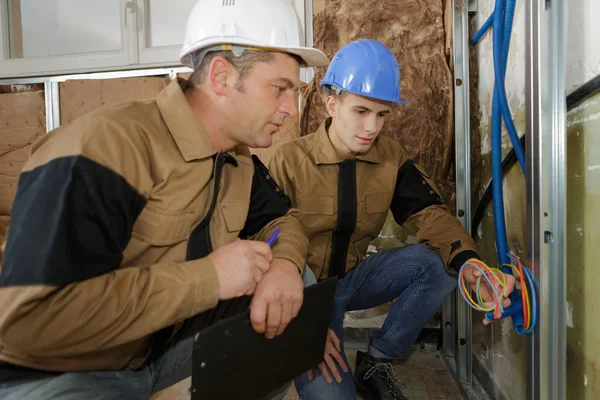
(273, 237)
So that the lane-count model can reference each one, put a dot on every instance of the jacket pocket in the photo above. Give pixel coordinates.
(161, 229)
(235, 215)
(314, 203)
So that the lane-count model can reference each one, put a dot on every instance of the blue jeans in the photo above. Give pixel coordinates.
(127, 384)
(415, 275)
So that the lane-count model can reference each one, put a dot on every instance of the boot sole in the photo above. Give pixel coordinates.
(363, 391)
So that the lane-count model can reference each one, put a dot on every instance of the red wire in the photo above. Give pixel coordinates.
(523, 283)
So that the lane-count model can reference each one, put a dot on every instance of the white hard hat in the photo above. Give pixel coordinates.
(263, 24)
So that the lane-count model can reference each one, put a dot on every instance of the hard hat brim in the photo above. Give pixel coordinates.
(311, 57)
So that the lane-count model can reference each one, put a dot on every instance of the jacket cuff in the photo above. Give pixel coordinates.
(204, 275)
(289, 252)
(461, 258)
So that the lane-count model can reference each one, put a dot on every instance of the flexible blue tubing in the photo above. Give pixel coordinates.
(497, 195)
(484, 28)
(503, 21)
(501, 32)
(509, 10)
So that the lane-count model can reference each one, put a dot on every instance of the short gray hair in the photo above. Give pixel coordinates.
(243, 63)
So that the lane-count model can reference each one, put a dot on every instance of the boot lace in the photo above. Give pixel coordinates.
(386, 371)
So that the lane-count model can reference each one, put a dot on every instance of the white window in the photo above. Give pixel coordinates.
(57, 37)
(163, 26)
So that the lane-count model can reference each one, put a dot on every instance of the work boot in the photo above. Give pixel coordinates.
(375, 378)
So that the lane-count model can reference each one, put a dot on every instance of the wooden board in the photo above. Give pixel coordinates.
(22, 122)
(78, 97)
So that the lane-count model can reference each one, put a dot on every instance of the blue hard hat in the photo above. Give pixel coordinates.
(365, 67)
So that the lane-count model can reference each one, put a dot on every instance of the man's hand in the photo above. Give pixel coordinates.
(471, 274)
(240, 267)
(278, 298)
(332, 352)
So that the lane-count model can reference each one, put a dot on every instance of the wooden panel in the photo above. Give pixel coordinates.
(78, 97)
(22, 121)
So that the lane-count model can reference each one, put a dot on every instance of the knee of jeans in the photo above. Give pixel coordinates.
(318, 388)
(436, 270)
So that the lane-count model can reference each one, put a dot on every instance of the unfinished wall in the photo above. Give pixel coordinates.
(22, 121)
(497, 346)
(583, 200)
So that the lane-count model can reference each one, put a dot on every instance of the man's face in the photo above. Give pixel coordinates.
(268, 95)
(357, 121)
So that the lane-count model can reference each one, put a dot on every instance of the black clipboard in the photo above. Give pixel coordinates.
(231, 361)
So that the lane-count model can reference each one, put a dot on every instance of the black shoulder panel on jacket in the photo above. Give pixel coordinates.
(413, 192)
(71, 221)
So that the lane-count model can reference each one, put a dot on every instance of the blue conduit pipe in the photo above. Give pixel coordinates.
(504, 14)
(499, 219)
(502, 22)
(484, 28)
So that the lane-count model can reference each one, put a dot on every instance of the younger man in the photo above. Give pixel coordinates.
(343, 179)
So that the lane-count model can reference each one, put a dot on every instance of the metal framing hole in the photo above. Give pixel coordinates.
(463, 342)
(459, 82)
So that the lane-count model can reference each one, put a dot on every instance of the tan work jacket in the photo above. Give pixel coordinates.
(112, 222)
(383, 179)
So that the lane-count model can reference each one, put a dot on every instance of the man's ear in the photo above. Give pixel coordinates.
(220, 72)
(331, 105)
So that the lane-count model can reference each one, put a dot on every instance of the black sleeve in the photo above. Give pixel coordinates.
(71, 221)
(412, 193)
(267, 200)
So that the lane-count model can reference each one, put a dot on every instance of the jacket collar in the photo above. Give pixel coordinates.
(324, 152)
(185, 128)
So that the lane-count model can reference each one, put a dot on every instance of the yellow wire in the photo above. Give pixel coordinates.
(500, 278)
